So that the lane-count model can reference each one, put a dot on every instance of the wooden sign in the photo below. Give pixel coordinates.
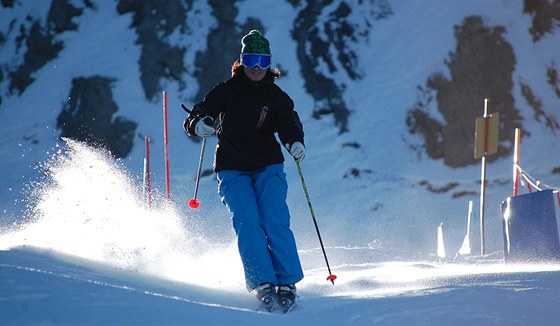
(486, 135)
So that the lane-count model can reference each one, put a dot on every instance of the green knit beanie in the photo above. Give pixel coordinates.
(255, 42)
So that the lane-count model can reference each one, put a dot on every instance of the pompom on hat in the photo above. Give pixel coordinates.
(255, 42)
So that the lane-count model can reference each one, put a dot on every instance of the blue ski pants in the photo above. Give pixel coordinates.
(261, 220)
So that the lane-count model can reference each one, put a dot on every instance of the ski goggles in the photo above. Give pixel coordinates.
(251, 60)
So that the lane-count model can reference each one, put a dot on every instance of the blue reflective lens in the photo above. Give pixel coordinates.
(251, 60)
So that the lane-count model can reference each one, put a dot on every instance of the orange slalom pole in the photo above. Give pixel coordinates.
(517, 143)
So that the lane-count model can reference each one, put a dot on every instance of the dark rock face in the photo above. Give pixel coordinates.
(546, 16)
(61, 14)
(481, 67)
(40, 42)
(223, 46)
(41, 48)
(7, 3)
(553, 78)
(327, 34)
(313, 49)
(536, 104)
(88, 117)
(154, 21)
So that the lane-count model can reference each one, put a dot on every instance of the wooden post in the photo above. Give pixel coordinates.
(516, 161)
(482, 197)
(483, 178)
(486, 142)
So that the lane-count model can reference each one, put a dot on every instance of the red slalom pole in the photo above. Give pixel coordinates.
(148, 173)
(166, 148)
(331, 277)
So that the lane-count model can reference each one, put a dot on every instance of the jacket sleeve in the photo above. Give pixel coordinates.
(211, 106)
(287, 122)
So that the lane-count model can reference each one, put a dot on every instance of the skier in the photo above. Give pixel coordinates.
(250, 109)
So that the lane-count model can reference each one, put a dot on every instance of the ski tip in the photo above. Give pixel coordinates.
(331, 278)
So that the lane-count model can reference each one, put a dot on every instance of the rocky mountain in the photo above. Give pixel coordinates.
(481, 66)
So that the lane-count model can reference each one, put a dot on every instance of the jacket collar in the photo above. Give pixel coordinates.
(266, 81)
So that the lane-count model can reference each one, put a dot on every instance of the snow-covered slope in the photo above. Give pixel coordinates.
(98, 255)
(38, 288)
(366, 183)
(367, 187)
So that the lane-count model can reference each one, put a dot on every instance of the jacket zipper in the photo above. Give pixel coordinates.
(264, 111)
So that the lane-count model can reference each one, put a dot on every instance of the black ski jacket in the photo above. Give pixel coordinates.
(248, 115)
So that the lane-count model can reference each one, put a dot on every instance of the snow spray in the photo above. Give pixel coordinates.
(88, 207)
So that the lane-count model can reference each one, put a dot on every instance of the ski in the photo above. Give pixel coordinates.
(267, 308)
(275, 309)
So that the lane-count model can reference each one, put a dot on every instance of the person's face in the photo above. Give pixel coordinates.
(255, 74)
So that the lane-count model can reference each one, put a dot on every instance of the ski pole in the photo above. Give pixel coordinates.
(194, 203)
(331, 277)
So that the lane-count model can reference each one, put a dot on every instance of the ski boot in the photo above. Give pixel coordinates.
(266, 294)
(287, 297)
